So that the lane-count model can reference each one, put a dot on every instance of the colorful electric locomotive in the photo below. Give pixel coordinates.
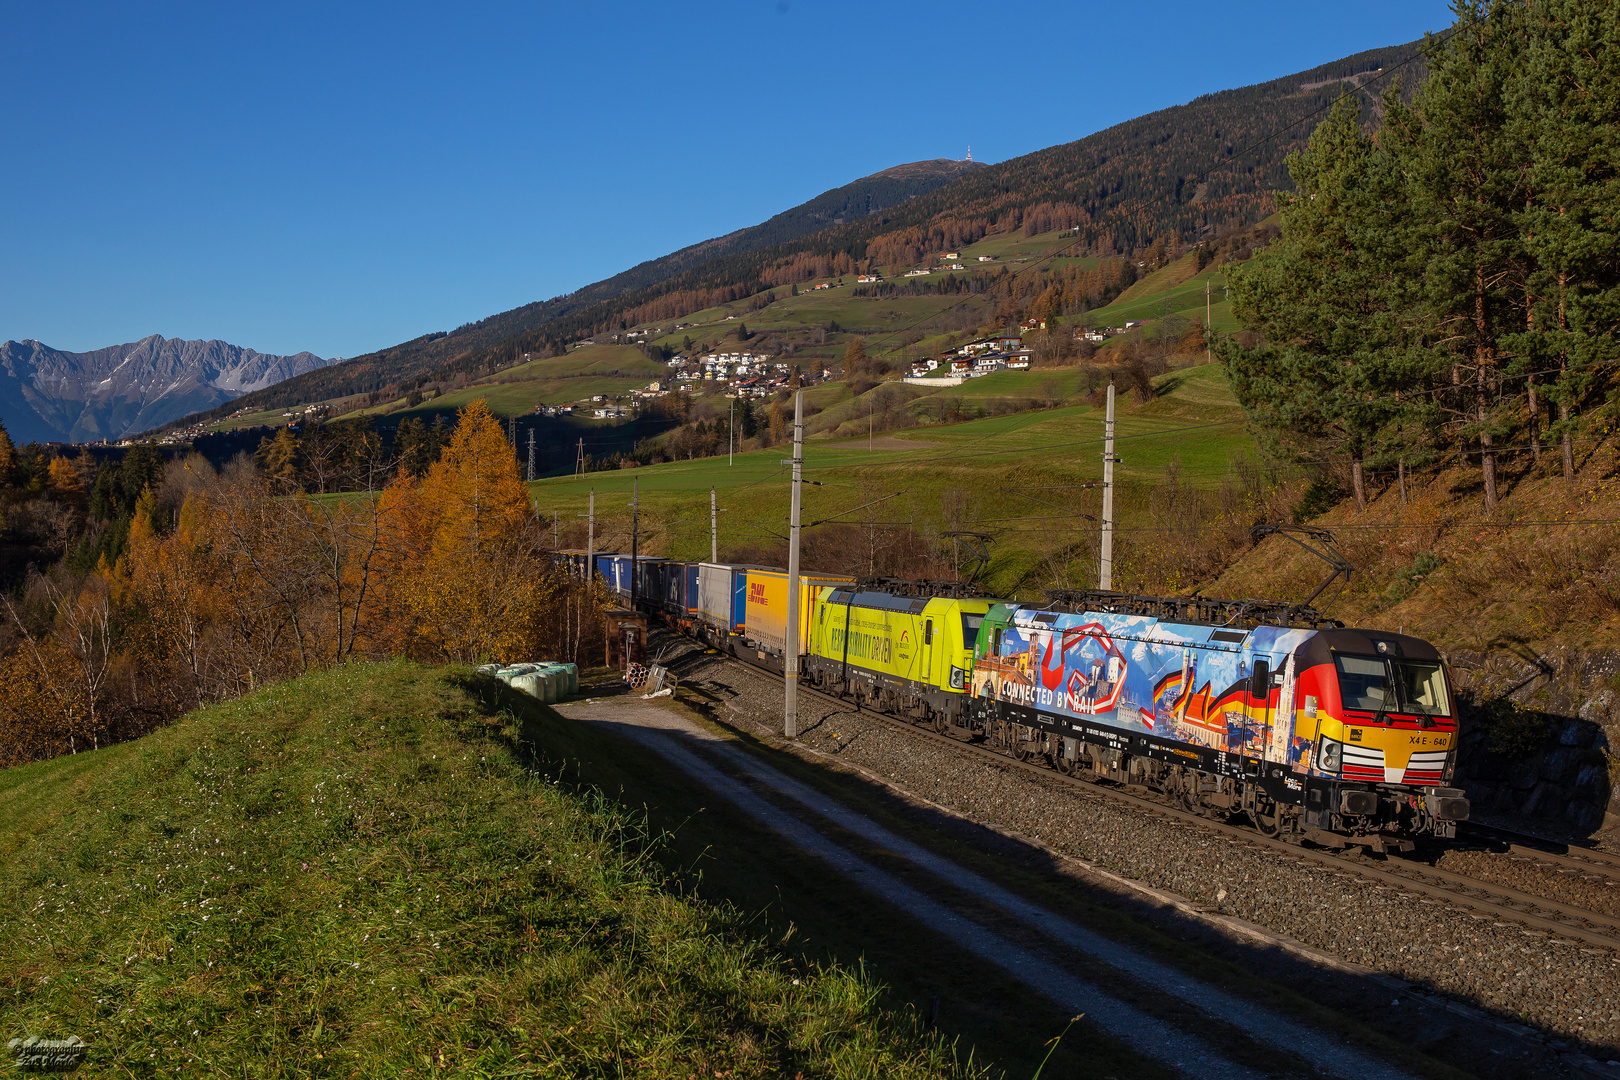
(1338, 735)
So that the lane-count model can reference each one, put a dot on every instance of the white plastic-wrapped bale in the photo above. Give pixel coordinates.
(567, 679)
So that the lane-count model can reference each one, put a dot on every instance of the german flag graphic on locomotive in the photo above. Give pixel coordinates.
(1341, 736)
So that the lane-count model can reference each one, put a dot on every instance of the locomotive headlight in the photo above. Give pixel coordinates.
(1330, 755)
(958, 678)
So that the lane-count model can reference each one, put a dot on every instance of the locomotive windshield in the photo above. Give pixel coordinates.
(970, 629)
(1378, 684)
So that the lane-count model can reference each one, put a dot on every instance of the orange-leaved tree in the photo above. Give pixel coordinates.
(470, 581)
(176, 583)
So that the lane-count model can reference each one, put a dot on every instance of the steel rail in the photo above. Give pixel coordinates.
(1533, 913)
(1594, 862)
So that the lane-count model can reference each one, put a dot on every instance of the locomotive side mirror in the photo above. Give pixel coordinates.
(1260, 681)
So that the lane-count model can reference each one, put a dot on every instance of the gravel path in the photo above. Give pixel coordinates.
(1555, 986)
(697, 752)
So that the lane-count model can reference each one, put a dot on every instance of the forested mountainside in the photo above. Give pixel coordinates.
(1187, 169)
(868, 195)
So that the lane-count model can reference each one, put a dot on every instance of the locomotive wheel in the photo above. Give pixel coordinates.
(1022, 749)
(940, 723)
(1268, 825)
(1066, 766)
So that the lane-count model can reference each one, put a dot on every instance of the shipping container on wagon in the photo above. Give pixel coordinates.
(674, 600)
(767, 609)
(616, 571)
(573, 560)
(722, 595)
(691, 590)
(649, 571)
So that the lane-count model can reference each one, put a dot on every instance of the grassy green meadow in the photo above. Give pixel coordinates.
(1177, 289)
(384, 870)
(1000, 475)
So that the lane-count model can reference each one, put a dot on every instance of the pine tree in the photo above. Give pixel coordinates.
(1465, 185)
(854, 356)
(1328, 301)
(281, 458)
(1564, 104)
(8, 458)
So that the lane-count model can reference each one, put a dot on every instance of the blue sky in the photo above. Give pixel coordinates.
(340, 177)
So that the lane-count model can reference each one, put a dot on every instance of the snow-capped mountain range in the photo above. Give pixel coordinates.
(47, 395)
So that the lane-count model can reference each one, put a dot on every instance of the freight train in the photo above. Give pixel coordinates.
(1311, 730)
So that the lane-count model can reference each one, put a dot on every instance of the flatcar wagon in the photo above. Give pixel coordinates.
(1332, 734)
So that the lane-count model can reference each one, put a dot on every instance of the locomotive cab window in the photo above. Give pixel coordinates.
(970, 629)
(1420, 687)
(1375, 684)
(1363, 682)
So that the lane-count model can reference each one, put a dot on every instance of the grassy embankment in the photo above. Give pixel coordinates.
(363, 873)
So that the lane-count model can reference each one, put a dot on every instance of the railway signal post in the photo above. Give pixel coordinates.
(790, 714)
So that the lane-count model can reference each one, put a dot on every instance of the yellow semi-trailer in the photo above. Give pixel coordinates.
(911, 655)
(767, 610)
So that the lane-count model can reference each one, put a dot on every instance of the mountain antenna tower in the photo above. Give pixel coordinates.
(970, 152)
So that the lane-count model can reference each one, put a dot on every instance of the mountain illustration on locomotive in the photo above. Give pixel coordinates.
(1343, 735)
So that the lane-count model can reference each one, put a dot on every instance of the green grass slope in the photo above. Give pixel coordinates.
(996, 474)
(361, 873)
(1177, 289)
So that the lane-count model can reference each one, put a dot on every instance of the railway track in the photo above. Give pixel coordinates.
(1535, 915)
(1592, 863)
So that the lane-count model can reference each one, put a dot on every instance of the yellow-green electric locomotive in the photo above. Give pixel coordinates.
(898, 645)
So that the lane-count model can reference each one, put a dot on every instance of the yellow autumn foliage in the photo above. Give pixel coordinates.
(471, 582)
